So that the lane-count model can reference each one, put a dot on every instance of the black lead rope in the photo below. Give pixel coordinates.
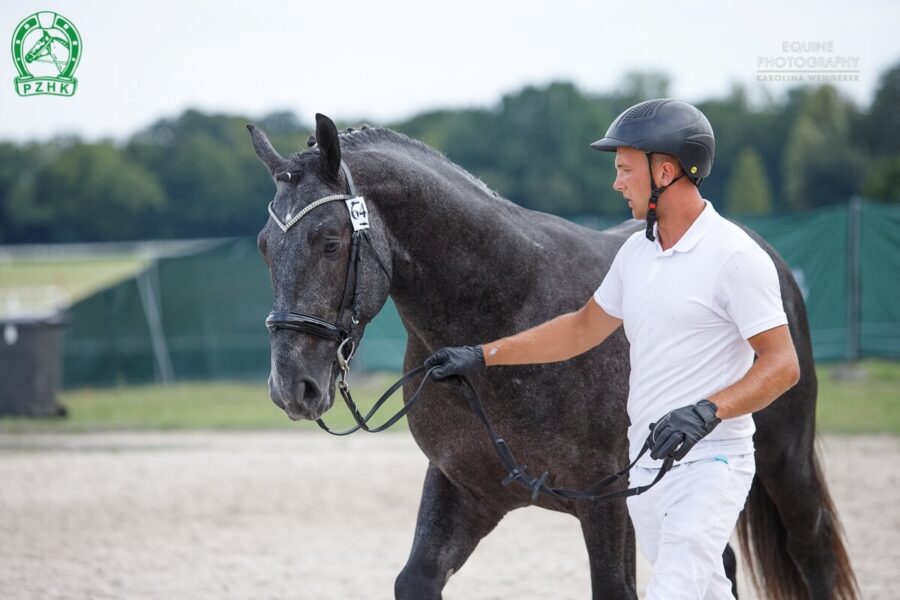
(538, 486)
(363, 422)
(515, 472)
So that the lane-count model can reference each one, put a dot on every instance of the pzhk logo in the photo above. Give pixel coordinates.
(46, 48)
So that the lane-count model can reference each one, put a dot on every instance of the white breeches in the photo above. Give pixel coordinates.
(684, 523)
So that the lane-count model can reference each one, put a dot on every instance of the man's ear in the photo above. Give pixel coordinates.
(669, 171)
(665, 169)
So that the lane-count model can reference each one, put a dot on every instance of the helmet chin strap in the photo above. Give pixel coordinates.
(655, 193)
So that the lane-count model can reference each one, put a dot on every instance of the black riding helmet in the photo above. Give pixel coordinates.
(667, 126)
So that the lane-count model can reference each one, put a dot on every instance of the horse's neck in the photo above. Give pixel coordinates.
(459, 253)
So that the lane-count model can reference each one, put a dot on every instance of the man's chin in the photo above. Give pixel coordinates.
(635, 214)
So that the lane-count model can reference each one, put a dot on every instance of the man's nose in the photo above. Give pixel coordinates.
(617, 185)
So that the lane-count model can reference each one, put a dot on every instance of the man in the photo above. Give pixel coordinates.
(698, 299)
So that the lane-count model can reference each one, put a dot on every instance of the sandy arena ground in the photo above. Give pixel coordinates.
(279, 515)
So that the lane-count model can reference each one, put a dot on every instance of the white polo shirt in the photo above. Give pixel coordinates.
(688, 312)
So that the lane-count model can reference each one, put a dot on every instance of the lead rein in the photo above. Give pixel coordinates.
(515, 472)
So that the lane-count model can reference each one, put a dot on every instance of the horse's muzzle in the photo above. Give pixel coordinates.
(300, 398)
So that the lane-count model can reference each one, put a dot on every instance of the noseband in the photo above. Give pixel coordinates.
(336, 332)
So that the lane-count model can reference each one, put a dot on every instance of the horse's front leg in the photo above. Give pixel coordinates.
(448, 528)
(610, 544)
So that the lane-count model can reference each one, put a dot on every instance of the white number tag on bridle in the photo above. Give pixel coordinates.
(359, 214)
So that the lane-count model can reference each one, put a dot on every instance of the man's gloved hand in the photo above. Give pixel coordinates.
(678, 431)
(460, 360)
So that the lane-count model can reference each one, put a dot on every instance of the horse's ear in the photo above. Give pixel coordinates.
(265, 151)
(329, 147)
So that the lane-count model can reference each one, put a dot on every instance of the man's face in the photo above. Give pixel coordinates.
(633, 180)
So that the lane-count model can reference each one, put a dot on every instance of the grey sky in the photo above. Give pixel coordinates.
(387, 60)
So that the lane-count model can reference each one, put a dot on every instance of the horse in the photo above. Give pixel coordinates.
(464, 265)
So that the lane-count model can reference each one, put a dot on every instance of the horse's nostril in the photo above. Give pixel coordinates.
(311, 393)
(300, 397)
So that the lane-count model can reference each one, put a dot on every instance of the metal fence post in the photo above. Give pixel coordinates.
(148, 285)
(854, 234)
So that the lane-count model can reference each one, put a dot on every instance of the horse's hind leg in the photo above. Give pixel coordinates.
(610, 544)
(730, 562)
(448, 528)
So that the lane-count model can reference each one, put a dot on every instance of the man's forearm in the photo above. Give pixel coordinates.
(555, 340)
(769, 377)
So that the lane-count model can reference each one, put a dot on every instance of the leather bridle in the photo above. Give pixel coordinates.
(340, 331)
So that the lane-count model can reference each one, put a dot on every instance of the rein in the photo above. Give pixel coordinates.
(515, 472)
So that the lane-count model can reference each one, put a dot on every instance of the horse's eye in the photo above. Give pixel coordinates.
(332, 246)
(289, 176)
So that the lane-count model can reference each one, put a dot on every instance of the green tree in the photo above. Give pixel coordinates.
(879, 129)
(883, 180)
(748, 187)
(87, 192)
(16, 166)
(637, 86)
(533, 148)
(736, 126)
(213, 180)
(822, 166)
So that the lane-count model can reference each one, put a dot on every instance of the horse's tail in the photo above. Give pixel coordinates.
(763, 539)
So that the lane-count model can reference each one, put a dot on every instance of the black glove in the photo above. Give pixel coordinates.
(677, 432)
(460, 360)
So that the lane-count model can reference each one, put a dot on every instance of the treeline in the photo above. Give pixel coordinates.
(197, 176)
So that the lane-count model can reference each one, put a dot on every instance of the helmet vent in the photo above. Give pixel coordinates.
(640, 111)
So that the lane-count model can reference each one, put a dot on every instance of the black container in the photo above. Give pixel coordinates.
(31, 365)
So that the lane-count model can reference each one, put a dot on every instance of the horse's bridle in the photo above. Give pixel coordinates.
(337, 331)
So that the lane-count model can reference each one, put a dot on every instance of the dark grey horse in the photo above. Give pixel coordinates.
(464, 266)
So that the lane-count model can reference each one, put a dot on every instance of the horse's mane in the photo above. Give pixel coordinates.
(367, 137)
(364, 135)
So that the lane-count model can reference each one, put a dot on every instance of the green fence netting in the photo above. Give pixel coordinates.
(197, 316)
(200, 316)
(108, 339)
(847, 262)
(878, 295)
(814, 244)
